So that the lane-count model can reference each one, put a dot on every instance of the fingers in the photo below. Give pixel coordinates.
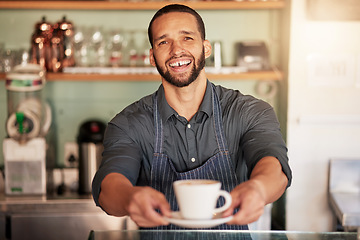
(142, 208)
(148, 219)
(247, 214)
(250, 203)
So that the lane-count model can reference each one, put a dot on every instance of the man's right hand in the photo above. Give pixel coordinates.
(143, 204)
(119, 197)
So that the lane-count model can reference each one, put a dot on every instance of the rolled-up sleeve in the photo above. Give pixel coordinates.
(121, 155)
(262, 137)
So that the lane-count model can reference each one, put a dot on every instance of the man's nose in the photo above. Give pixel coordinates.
(177, 48)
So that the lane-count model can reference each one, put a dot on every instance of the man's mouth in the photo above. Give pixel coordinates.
(180, 63)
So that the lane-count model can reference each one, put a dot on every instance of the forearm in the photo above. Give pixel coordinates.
(118, 197)
(269, 178)
(116, 192)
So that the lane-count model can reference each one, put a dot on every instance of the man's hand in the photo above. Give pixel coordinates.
(143, 204)
(118, 197)
(266, 184)
(249, 199)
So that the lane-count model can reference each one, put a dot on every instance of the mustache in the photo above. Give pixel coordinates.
(180, 56)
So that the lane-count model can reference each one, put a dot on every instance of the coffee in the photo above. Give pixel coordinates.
(198, 182)
(197, 198)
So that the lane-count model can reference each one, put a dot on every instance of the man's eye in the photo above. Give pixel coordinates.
(188, 38)
(162, 43)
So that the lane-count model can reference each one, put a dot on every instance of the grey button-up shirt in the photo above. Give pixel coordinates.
(251, 128)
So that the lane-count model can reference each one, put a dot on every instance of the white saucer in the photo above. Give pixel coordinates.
(177, 219)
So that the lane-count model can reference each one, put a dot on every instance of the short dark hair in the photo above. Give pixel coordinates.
(177, 8)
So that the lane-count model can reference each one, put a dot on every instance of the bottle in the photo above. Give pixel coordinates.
(40, 44)
(56, 51)
(65, 30)
(132, 51)
(144, 54)
(116, 49)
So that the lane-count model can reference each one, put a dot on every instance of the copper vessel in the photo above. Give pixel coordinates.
(65, 31)
(40, 44)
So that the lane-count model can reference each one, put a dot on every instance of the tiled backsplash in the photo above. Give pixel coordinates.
(75, 102)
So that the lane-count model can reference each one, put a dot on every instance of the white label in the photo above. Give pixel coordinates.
(331, 70)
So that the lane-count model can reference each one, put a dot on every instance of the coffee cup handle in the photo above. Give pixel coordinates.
(227, 204)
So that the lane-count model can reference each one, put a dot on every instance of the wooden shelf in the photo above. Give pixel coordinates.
(146, 5)
(83, 77)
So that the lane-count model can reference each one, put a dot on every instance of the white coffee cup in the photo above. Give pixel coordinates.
(197, 198)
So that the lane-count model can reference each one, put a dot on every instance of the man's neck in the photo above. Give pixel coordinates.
(186, 100)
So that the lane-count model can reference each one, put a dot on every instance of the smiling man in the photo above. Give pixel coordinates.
(189, 129)
(181, 68)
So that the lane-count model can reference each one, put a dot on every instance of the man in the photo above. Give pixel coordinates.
(189, 128)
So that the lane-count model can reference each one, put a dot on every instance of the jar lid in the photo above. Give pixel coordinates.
(25, 78)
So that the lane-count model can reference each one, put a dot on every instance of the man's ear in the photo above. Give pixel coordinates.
(151, 56)
(207, 48)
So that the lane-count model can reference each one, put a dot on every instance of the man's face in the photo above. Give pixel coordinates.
(178, 50)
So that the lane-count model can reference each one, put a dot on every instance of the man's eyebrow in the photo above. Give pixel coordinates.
(161, 37)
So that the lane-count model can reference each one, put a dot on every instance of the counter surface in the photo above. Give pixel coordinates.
(53, 217)
(36, 204)
(344, 191)
(347, 208)
(214, 235)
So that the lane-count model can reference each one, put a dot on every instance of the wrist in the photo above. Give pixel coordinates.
(260, 188)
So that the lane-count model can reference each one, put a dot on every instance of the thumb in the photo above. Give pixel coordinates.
(165, 209)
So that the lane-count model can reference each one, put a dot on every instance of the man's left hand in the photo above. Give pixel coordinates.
(248, 198)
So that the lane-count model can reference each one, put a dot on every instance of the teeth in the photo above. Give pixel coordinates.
(180, 63)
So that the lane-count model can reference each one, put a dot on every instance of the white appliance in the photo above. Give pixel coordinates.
(29, 120)
(25, 171)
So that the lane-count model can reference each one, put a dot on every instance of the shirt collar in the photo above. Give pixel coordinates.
(166, 111)
(207, 103)
(164, 108)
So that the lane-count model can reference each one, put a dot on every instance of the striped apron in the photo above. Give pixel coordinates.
(218, 167)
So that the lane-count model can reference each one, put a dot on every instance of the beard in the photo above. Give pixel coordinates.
(179, 81)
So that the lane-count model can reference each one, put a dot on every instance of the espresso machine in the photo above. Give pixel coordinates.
(28, 122)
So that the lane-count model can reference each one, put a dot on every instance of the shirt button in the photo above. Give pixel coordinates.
(193, 159)
(189, 125)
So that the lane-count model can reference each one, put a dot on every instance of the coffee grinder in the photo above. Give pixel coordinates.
(29, 120)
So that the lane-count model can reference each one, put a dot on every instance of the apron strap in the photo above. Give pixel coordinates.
(158, 127)
(218, 121)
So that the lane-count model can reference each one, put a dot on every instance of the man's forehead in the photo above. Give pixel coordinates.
(176, 16)
(181, 21)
